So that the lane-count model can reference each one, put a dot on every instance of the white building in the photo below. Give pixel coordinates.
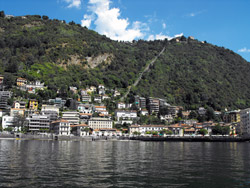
(61, 127)
(7, 121)
(86, 98)
(245, 122)
(144, 112)
(50, 108)
(31, 87)
(121, 105)
(81, 129)
(125, 114)
(145, 128)
(99, 123)
(98, 99)
(20, 104)
(100, 109)
(16, 112)
(85, 108)
(38, 122)
(71, 116)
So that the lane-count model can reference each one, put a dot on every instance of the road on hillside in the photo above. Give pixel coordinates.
(140, 74)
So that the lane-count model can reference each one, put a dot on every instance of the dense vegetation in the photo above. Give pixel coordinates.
(189, 73)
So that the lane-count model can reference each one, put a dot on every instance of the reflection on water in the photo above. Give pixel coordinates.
(123, 164)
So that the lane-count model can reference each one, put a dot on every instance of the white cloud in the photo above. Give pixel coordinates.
(164, 26)
(178, 35)
(86, 22)
(244, 50)
(163, 37)
(193, 14)
(73, 3)
(108, 22)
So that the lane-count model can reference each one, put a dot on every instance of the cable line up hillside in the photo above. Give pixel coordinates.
(140, 74)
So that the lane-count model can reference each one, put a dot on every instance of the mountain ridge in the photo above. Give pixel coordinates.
(189, 72)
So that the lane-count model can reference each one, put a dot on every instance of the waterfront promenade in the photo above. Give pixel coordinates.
(215, 138)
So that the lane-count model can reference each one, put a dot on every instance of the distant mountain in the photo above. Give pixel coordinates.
(189, 72)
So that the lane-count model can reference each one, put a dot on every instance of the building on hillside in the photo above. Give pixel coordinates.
(105, 97)
(126, 115)
(98, 99)
(153, 105)
(19, 104)
(60, 127)
(133, 129)
(121, 105)
(144, 112)
(33, 104)
(53, 115)
(101, 89)
(7, 121)
(71, 116)
(84, 92)
(100, 123)
(21, 83)
(57, 101)
(33, 86)
(73, 89)
(46, 107)
(116, 93)
(176, 129)
(167, 118)
(1, 80)
(202, 111)
(189, 121)
(91, 89)
(140, 102)
(100, 109)
(84, 117)
(85, 108)
(107, 132)
(17, 112)
(38, 123)
(163, 103)
(4, 96)
(80, 130)
(245, 122)
(232, 116)
(145, 128)
(86, 98)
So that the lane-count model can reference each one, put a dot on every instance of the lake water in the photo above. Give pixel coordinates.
(34, 163)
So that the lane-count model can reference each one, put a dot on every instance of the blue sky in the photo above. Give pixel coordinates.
(220, 22)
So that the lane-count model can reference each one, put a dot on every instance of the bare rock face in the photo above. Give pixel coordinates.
(95, 61)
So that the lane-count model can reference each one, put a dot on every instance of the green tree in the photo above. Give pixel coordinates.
(225, 130)
(20, 122)
(217, 130)
(193, 115)
(2, 14)
(203, 132)
(179, 114)
(210, 114)
(9, 129)
(136, 133)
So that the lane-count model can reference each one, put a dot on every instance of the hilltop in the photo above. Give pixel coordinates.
(189, 72)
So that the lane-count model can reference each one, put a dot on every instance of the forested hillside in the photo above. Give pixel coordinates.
(188, 73)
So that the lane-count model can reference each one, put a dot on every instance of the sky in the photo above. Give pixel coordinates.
(224, 23)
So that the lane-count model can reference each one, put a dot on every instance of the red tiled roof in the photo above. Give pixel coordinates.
(80, 125)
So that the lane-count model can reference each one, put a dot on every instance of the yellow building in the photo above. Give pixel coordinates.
(1, 79)
(33, 104)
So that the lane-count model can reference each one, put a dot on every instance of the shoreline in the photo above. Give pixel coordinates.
(122, 138)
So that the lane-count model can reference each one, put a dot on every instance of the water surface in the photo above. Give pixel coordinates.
(34, 163)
